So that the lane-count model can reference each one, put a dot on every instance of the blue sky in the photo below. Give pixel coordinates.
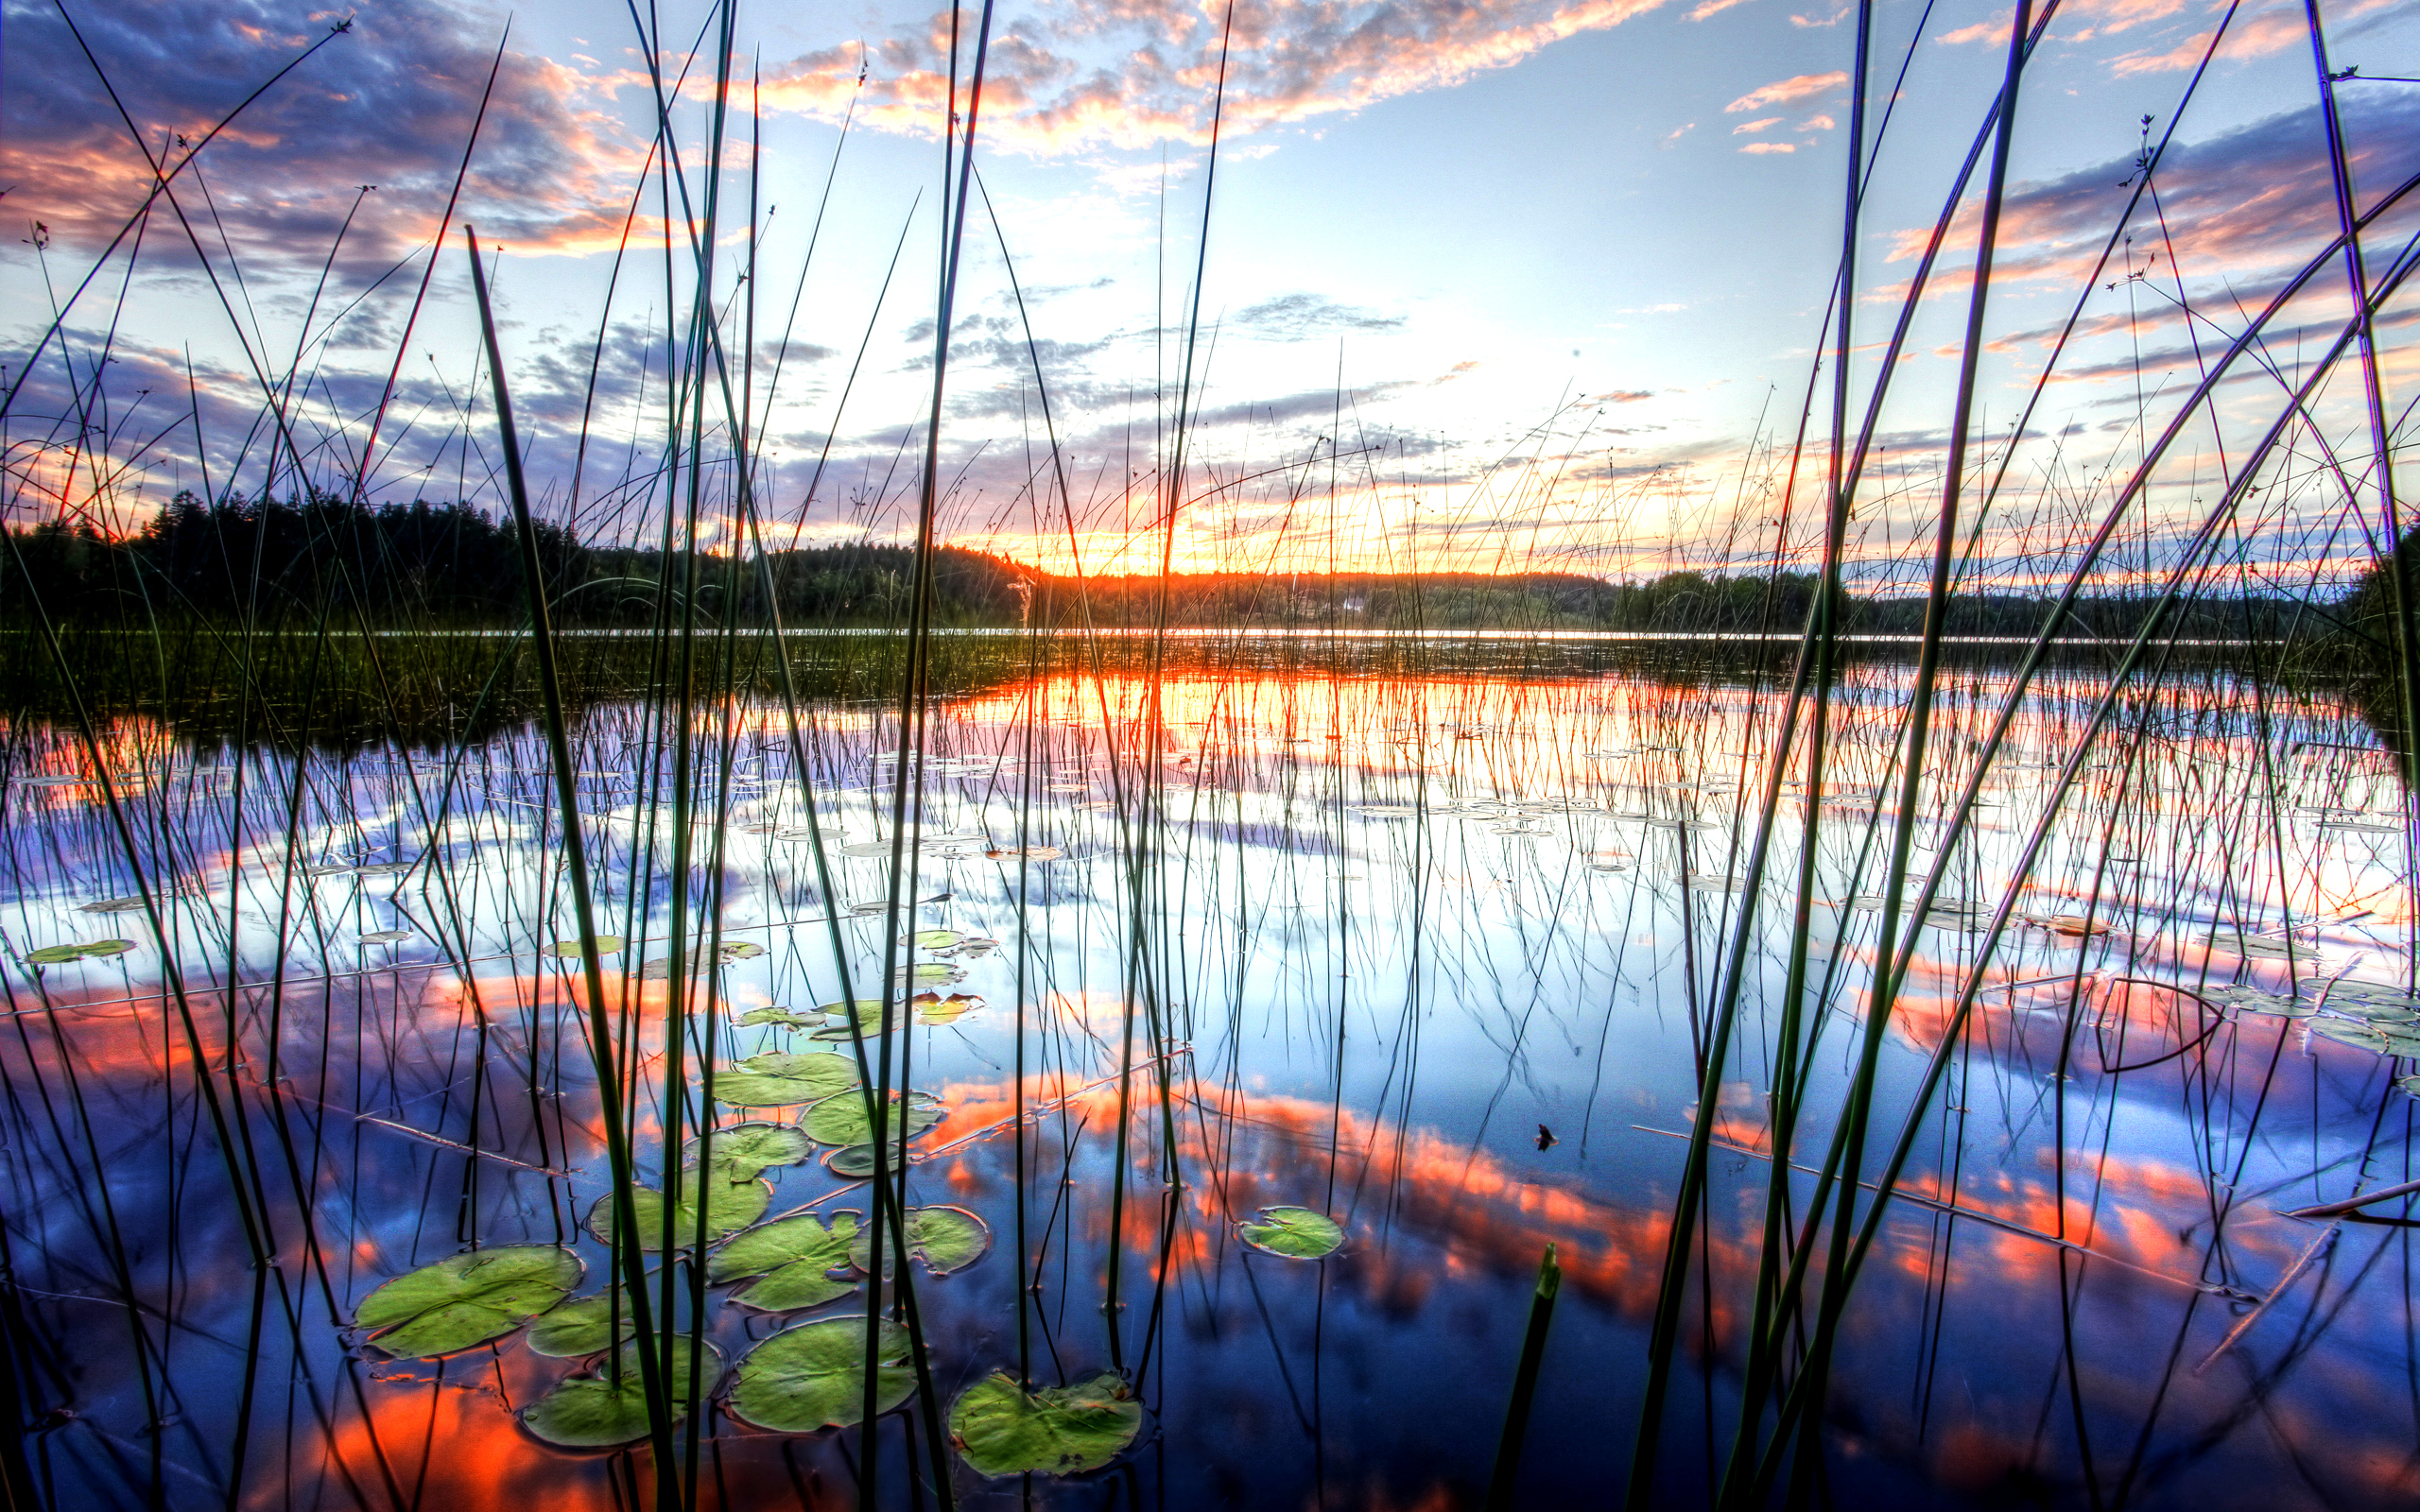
(1551, 277)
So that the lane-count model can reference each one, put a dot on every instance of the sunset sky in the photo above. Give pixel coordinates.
(1551, 276)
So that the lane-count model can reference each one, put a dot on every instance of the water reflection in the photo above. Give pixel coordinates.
(1335, 942)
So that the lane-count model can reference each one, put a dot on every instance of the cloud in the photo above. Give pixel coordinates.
(1785, 90)
(1832, 20)
(1299, 317)
(1770, 146)
(1711, 7)
(1750, 127)
(389, 103)
(1673, 137)
(1815, 123)
(1137, 73)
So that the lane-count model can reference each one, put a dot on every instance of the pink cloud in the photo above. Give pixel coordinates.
(1770, 146)
(1140, 72)
(1781, 92)
(1750, 127)
(1711, 7)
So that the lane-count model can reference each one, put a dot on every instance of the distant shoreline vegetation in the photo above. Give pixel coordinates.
(278, 564)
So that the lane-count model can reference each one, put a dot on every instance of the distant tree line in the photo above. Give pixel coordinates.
(453, 564)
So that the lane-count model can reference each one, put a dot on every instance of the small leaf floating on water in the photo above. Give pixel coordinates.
(728, 1206)
(781, 1017)
(1296, 1233)
(842, 1120)
(94, 949)
(867, 847)
(792, 1259)
(386, 937)
(932, 1009)
(938, 939)
(467, 1299)
(943, 1239)
(854, 1161)
(999, 1429)
(597, 1412)
(746, 1150)
(112, 906)
(741, 950)
(576, 1328)
(606, 945)
(778, 1079)
(813, 1376)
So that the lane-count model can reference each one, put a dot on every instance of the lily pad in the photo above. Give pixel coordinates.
(1000, 1429)
(466, 1300)
(743, 1150)
(730, 1206)
(94, 949)
(2346, 1032)
(576, 1328)
(741, 950)
(606, 945)
(779, 1017)
(933, 1009)
(386, 937)
(938, 939)
(945, 1239)
(112, 906)
(1297, 1234)
(814, 1375)
(597, 1412)
(792, 1258)
(842, 1120)
(932, 973)
(855, 1161)
(778, 1078)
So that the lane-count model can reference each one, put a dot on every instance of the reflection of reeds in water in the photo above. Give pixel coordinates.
(1274, 914)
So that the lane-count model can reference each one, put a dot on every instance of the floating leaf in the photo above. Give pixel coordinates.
(814, 1375)
(744, 1149)
(741, 950)
(466, 1300)
(385, 869)
(576, 1328)
(606, 945)
(932, 1008)
(842, 1120)
(112, 906)
(730, 1206)
(938, 939)
(1297, 1234)
(867, 1011)
(386, 937)
(793, 1258)
(1000, 1429)
(933, 973)
(94, 950)
(945, 1239)
(778, 1078)
(855, 1161)
(2346, 1032)
(329, 868)
(597, 1412)
(782, 1016)
(867, 847)
(659, 970)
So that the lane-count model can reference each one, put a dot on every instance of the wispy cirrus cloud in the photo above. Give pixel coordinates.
(1787, 90)
(1124, 74)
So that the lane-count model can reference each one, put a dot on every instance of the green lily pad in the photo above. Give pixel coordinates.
(113, 905)
(945, 1239)
(386, 937)
(597, 1412)
(782, 1016)
(778, 1078)
(1297, 1234)
(792, 1258)
(466, 1300)
(94, 949)
(855, 1161)
(932, 973)
(741, 950)
(606, 945)
(1000, 1429)
(841, 1119)
(743, 1150)
(576, 1328)
(938, 939)
(729, 1207)
(2346, 1032)
(814, 1375)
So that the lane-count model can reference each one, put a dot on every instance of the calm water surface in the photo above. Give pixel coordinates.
(1363, 945)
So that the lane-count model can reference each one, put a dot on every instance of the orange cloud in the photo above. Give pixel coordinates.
(1784, 91)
